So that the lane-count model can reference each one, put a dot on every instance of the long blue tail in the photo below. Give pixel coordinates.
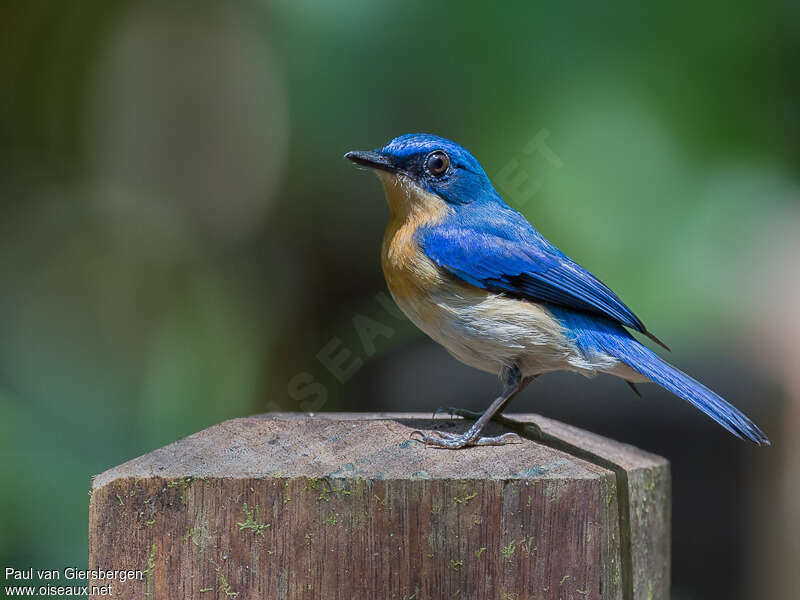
(594, 334)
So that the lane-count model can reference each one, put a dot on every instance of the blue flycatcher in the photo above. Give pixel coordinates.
(477, 277)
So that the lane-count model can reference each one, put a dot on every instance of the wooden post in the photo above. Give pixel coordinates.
(347, 506)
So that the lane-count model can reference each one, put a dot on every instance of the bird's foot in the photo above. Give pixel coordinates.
(531, 430)
(453, 441)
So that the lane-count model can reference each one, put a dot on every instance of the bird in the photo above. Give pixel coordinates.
(478, 278)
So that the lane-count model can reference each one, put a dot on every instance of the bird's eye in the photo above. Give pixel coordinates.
(437, 163)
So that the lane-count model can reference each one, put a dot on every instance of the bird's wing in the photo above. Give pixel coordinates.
(509, 256)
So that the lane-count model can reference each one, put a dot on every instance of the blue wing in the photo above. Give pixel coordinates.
(493, 247)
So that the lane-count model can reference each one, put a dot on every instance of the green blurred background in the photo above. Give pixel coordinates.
(180, 236)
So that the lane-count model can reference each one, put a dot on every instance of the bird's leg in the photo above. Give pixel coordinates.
(512, 385)
(497, 417)
(531, 429)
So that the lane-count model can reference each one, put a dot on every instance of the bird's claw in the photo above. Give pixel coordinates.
(452, 441)
(498, 440)
(419, 433)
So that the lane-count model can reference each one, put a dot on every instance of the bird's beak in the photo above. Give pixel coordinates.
(372, 160)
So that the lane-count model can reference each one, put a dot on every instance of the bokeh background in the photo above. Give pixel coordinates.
(181, 240)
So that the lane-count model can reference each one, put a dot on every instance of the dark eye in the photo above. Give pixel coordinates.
(437, 163)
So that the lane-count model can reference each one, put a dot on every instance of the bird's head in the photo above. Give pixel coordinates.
(419, 168)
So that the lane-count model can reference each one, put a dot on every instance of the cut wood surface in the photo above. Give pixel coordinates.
(348, 506)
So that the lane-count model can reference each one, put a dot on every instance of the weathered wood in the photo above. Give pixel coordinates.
(336, 506)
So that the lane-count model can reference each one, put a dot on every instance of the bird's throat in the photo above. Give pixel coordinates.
(407, 200)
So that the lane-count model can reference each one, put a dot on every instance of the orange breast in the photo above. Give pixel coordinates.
(411, 276)
(409, 273)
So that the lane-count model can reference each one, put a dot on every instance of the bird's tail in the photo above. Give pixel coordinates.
(649, 364)
(593, 334)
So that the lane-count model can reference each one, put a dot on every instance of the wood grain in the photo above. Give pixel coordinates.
(342, 506)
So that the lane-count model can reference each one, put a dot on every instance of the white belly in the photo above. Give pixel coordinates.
(488, 331)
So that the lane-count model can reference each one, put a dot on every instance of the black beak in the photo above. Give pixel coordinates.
(372, 160)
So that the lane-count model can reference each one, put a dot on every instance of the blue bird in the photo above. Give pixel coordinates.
(478, 278)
